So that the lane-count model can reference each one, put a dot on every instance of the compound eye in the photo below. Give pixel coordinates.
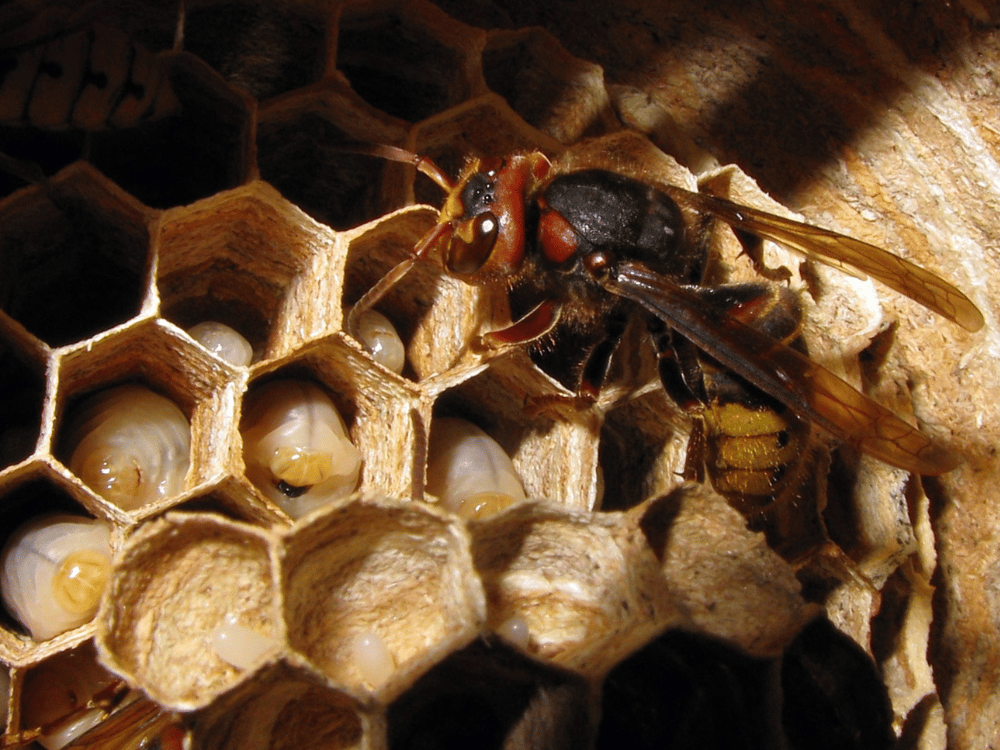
(472, 244)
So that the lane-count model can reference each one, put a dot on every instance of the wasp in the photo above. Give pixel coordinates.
(591, 248)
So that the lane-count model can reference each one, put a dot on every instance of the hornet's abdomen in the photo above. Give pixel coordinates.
(754, 444)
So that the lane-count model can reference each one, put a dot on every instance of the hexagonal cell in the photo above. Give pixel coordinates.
(285, 707)
(65, 574)
(868, 512)
(586, 597)
(642, 449)
(748, 597)
(409, 60)
(686, 691)
(377, 409)
(301, 150)
(204, 148)
(22, 379)
(399, 592)
(210, 127)
(75, 257)
(70, 74)
(567, 102)
(296, 450)
(468, 472)
(262, 271)
(65, 695)
(262, 49)
(484, 126)
(833, 692)
(488, 696)
(435, 316)
(549, 438)
(831, 578)
(183, 585)
(151, 355)
(129, 444)
(119, 717)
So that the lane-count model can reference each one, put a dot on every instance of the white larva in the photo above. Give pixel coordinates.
(240, 646)
(515, 631)
(380, 338)
(224, 342)
(53, 571)
(372, 658)
(469, 472)
(130, 445)
(295, 446)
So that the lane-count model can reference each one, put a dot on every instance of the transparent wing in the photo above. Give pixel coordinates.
(839, 250)
(808, 388)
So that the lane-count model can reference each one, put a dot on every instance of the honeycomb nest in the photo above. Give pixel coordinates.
(646, 603)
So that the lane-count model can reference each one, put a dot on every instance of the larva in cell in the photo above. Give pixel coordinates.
(295, 446)
(469, 472)
(130, 445)
(372, 658)
(224, 342)
(515, 631)
(53, 571)
(240, 646)
(378, 335)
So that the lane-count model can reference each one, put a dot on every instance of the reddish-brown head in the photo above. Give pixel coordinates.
(486, 214)
(480, 234)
